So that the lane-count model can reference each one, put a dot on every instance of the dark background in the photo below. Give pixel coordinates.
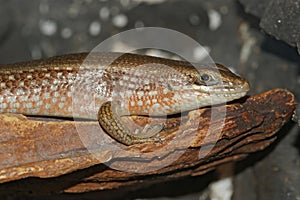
(258, 39)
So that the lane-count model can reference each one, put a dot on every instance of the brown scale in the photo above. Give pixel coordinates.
(125, 65)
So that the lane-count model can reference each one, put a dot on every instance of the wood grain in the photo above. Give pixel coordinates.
(82, 152)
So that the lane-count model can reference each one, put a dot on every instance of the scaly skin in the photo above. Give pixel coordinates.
(69, 86)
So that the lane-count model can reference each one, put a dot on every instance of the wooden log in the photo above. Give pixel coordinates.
(194, 144)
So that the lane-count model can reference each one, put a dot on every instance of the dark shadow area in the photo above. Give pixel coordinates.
(252, 20)
(37, 187)
(280, 49)
(176, 188)
(297, 142)
(52, 188)
(54, 118)
(253, 158)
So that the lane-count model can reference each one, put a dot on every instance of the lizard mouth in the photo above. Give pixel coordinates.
(229, 89)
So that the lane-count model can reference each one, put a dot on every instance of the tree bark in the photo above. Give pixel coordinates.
(193, 144)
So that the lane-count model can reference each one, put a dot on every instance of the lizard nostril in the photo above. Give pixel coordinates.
(243, 84)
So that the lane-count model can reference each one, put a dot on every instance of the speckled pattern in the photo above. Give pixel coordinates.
(77, 85)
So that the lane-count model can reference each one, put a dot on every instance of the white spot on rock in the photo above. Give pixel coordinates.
(48, 27)
(139, 24)
(66, 33)
(95, 28)
(201, 53)
(120, 20)
(194, 19)
(104, 13)
(214, 19)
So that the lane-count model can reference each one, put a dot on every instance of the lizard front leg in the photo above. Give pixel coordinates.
(114, 127)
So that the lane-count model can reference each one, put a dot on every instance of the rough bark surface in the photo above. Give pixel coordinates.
(193, 144)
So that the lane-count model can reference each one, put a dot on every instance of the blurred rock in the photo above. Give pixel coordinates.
(279, 18)
(4, 20)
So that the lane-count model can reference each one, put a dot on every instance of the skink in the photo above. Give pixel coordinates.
(73, 86)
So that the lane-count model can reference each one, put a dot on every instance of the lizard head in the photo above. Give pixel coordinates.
(215, 85)
(187, 88)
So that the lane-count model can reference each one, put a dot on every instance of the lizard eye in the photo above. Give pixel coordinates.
(205, 77)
